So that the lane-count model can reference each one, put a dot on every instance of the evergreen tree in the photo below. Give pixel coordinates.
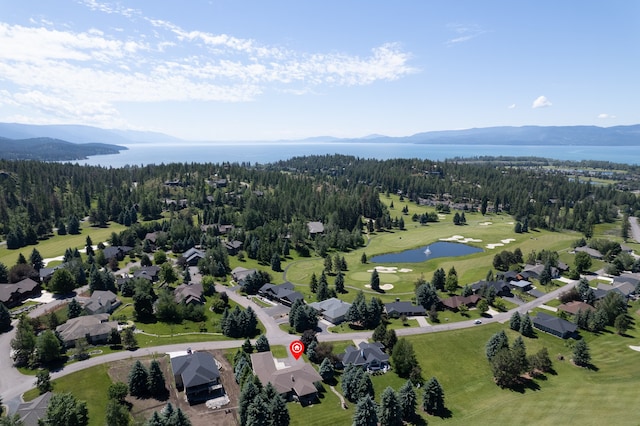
(514, 322)
(389, 411)
(138, 380)
(43, 381)
(247, 346)
(249, 393)
(365, 413)
(339, 283)
(4, 273)
(379, 332)
(326, 370)
(581, 355)
(36, 260)
(433, 397)
(156, 383)
(275, 263)
(404, 358)
(497, 342)
(262, 344)
(390, 340)
(313, 284)
(519, 353)
(375, 280)
(323, 288)
(65, 409)
(278, 414)
(24, 342)
(408, 401)
(439, 279)
(117, 414)
(427, 296)
(364, 387)
(74, 309)
(526, 326)
(5, 318)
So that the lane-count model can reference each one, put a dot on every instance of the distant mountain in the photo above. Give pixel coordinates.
(81, 134)
(49, 149)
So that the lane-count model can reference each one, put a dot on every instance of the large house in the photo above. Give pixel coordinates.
(101, 302)
(31, 412)
(398, 308)
(332, 310)
(574, 307)
(14, 294)
(189, 293)
(197, 373)
(453, 303)
(367, 355)
(315, 228)
(192, 256)
(500, 287)
(554, 325)
(239, 274)
(283, 293)
(293, 383)
(95, 328)
(118, 252)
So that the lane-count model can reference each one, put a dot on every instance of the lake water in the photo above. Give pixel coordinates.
(269, 152)
(433, 251)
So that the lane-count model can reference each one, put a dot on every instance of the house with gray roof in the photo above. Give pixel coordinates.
(591, 252)
(500, 287)
(100, 302)
(293, 383)
(31, 412)
(14, 294)
(239, 274)
(367, 355)
(197, 373)
(189, 294)
(554, 325)
(398, 308)
(95, 328)
(193, 256)
(332, 310)
(283, 293)
(315, 228)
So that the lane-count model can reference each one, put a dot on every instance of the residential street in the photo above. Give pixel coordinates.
(635, 228)
(13, 384)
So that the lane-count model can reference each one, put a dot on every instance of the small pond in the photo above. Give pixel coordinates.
(432, 251)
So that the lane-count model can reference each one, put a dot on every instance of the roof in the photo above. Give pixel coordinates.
(196, 369)
(331, 308)
(113, 251)
(193, 253)
(499, 286)
(98, 300)
(147, 271)
(455, 302)
(93, 325)
(30, 412)
(239, 273)
(560, 326)
(189, 293)
(284, 291)
(299, 378)
(520, 283)
(315, 227)
(366, 353)
(404, 308)
(574, 306)
(591, 252)
(25, 286)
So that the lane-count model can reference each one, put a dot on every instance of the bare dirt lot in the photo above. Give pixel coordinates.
(199, 414)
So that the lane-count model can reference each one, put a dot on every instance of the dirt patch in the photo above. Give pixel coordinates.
(199, 414)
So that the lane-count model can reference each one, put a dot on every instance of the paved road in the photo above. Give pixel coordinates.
(635, 228)
(13, 384)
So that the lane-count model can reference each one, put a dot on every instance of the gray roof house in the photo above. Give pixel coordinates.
(295, 382)
(367, 355)
(315, 228)
(332, 310)
(554, 325)
(101, 302)
(95, 328)
(591, 252)
(32, 411)
(14, 294)
(197, 373)
(239, 273)
(189, 293)
(398, 308)
(283, 293)
(193, 256)
(501, 287)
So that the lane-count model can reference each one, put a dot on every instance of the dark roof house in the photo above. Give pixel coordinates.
(189, 293)
(398, 308)
(14, 294)
(32, 411)
(554, 325)
(193, 256)
(332, 310)
(197, 373)
(367, 355)
(501, 287)
(455, 302)
(283, 293)
(119, 252)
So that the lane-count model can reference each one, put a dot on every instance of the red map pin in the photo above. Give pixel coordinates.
(297, 348)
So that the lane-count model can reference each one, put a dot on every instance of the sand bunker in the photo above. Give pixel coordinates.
(384, 287)
(635, 348)
(389, 269)
(508, 240)
(485, 223)
(494, 245)
(461, 239)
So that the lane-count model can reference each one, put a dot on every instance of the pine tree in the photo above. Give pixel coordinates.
(36, 260)
(323, 288)
(389, 411)
(326, 370)
(24, 341)
(117, 414)
(498, 341)
(408, 401)
(364, 387)
(313, 283)
(249, 392)
(375, 280)
(74, 309)
(366, 413)
(519, 354)
(5, 318)
(278, 414)
(138, 380)
(156, 383)
(581, 355)
(262, 344)
(526, 326)
(514, 322)
(339, 283)
(433, 397)
(404, 358)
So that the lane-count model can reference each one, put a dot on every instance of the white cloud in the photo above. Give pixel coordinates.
(606, 116)
(541, 102)
(464, 33)
(512, 106)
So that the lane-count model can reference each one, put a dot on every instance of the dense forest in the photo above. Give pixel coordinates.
(265, 203)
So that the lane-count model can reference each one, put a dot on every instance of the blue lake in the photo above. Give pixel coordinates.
(435, 250)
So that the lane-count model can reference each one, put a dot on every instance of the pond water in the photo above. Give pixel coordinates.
(432, 251)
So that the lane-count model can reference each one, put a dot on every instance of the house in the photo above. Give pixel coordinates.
(332, 310)
(14, 294)
(283, 293)
(119, 252)
(521, 285)
(534, 271)
(152, 237)
(398, 308)
(554, 325)
(189, 293)
(31, 412)
(591, 252)
(239, 274)
(315, 228)
(367, 355)
(574, 306)
(500, 287)
(293, 383)
(149, 272)
(192, 256)
(455, 302)
(198, 374)
(101, 302)
(233, 247)
(95, 328)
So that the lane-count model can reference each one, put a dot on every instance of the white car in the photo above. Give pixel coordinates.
(477, 321)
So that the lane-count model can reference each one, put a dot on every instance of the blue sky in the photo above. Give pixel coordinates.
(266, 70)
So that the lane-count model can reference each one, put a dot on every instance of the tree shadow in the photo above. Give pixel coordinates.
(524, 384)
(445, 413)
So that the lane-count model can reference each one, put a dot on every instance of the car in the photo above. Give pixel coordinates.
(477, 322)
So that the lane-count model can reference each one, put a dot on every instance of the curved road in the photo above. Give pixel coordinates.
(13, 384)
(635, 228)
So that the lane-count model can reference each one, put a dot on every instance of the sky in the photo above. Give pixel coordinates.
(290, 69)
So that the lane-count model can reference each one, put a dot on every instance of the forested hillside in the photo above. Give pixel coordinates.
(267, 203)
